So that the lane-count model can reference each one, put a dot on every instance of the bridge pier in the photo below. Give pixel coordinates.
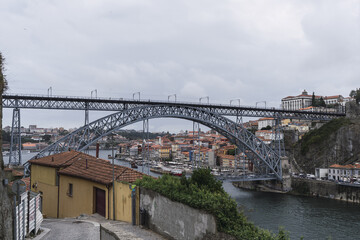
(270, 185)
(15, 144)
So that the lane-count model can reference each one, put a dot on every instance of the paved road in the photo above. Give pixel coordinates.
(71, 229)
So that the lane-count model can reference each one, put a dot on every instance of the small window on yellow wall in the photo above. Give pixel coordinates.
(70, 190)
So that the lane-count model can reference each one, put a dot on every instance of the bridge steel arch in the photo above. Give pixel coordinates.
(264, 157)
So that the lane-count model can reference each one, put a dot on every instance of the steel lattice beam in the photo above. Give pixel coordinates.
(102, 104)
(262, 155)
(15, 144)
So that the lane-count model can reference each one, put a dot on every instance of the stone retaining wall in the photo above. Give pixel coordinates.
(326, 189)
(175, 220)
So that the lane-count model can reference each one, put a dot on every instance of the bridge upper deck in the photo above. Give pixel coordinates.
(119, 104)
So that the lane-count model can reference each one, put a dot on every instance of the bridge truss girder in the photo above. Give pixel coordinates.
(101, 104)
(265, 158)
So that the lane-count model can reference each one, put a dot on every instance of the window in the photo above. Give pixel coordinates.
(70, 190)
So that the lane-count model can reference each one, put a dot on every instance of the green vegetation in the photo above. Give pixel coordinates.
(203, 191)
(317, 102)
(231, 152)
(268, 127)
(6, 136)
(355, 94)
(134, 135)
(317, 136)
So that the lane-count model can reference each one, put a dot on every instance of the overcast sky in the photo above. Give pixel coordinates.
(255, 50)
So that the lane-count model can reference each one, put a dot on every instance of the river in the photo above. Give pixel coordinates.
(310, 218)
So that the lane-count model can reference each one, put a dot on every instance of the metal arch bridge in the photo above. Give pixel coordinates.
(18, 101)
(266, 159)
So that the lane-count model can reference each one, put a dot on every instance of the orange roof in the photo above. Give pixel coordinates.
(332, 97)
(58, 160)
(343, 166)
(29, 144)
(99, 170)
(14, 173)
(265, 118)
(307, 108)
(231, 157)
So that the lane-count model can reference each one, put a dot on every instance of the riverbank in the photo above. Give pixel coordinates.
(309, 188)
(260, 186)
(325, 189)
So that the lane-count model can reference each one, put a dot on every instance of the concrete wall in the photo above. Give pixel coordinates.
(326, 189)
(123, 203)
(105, 234)
(175, 220)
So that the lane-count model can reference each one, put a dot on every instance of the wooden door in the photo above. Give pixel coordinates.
(100, 201)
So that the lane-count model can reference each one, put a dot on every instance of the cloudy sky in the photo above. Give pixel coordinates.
(255, 50)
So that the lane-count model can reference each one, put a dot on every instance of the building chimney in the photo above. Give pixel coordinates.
(97, 150)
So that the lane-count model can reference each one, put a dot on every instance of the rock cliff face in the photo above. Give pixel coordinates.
(335, 142)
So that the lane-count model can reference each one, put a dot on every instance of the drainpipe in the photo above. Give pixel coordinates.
(107, 186)
(58, 198)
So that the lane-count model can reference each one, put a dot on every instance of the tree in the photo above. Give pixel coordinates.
(203, 179)
(47, 138)
(231, 152)
(268, 127)
(355, 94)
(313, 100)
(321, 103)
(6, 213)
(352, 94)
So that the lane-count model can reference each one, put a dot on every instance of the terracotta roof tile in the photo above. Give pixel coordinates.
(25, 180)
(99, 170)
(57, 160)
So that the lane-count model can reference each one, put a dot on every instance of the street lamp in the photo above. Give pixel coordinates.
(207, 97)
(238, 99)
(172, 95)
(94, 91)
(49, 91)
(261, 102)
(136, 93)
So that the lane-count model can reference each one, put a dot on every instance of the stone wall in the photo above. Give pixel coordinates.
(326, 189)
(175, 220)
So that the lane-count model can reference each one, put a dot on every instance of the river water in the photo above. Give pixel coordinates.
(310, 218)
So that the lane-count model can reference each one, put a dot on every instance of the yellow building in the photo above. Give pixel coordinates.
(84, 185)
(44, 179)
(165, 152)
